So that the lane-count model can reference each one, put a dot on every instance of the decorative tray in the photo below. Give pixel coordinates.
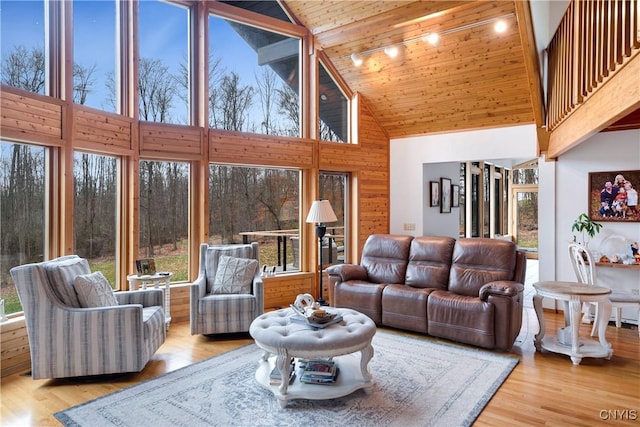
(314, 318)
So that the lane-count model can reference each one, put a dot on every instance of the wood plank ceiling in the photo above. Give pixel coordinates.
(475, 78)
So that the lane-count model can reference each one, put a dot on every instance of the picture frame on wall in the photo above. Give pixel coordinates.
(613, 196)
(434, 194)
(445, 195)
(455, 196)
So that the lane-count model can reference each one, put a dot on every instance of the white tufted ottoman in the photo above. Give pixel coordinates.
(278, 335)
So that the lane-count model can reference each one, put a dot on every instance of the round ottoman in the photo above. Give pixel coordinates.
(278, 334)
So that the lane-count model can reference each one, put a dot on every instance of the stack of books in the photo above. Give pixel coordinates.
(319, 372)
(275, 378)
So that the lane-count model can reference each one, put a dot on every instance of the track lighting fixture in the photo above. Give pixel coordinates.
(357, 60)
(391, 51)
(500, 26)
(432, 38)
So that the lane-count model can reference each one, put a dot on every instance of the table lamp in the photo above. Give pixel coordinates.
(319, 214)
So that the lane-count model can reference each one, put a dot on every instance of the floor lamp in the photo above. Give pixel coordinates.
(319, 214)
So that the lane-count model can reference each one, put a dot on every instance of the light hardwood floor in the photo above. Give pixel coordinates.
(543, 389)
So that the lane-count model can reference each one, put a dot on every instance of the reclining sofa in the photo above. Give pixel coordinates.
(465, 290)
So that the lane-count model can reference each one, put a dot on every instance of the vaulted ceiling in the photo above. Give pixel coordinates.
(475, 78)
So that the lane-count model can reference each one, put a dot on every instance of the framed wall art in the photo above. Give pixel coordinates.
(445, 192)
(434, 194)
(455, 196)
(613, 196)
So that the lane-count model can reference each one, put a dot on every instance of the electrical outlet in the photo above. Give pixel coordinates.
(635, 291)
(409, 227)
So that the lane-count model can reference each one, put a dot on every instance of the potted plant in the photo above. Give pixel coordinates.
(587, 227)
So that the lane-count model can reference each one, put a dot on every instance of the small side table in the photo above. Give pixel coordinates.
(140, 282)
(573, 294)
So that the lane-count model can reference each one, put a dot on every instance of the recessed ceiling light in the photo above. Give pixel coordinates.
(357, 61)
(323, 97)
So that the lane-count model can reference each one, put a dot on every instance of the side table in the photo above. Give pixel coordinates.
(573, 294)
(140, 282)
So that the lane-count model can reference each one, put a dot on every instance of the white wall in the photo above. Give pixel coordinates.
(562, 189)
(608, 151)
(408, 203)
(435, 223)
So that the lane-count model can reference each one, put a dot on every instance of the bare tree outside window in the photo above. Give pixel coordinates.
(164, 215)
(95, 204)
(246, 199)
(23, 68)
(22, 197)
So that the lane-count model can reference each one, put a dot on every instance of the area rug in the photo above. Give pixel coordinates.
(417, 382)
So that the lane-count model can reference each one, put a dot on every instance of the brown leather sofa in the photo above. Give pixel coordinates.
(465, 290)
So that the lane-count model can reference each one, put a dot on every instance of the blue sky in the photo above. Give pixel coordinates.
(163, 35)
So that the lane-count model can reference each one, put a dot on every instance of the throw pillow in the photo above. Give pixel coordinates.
(94, 290)
(61, 272)
(234, 275)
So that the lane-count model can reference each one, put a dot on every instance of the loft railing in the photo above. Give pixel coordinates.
(594, 40)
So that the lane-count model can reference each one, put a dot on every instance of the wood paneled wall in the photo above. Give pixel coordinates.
(102, 132)
(31, 117)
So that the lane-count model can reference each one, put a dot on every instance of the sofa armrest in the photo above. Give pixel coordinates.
(345, 272)
(146, 298)
(506, 288)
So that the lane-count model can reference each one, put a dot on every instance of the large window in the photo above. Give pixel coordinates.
(164, 75)
(484, 200)
(164, 216)
(22, 201)
(463, 200)
(334, 187)
(94, 29)
(524, 191)
(22, 38)
(254, 79)
(475, 175)
(257, 204)
(95, 210)
(333, 120)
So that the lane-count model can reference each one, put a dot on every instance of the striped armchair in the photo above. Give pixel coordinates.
(213, 312)
(66, 340)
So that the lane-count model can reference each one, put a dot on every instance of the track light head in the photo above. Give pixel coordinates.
(391, 51)
(432, 38)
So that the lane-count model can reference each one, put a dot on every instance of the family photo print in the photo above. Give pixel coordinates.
(613, 196)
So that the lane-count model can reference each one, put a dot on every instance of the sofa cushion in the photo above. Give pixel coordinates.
(94, 290)
(61, 274)
(477, 262)
(362, 296)
(385, 256)
(234, 275)
(405, 307)
(429, 262)
(461, 318)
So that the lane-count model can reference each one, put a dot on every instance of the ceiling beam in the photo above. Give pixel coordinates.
(532, 65)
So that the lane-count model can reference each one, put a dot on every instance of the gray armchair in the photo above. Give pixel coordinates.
(67, 340)
(217, 307)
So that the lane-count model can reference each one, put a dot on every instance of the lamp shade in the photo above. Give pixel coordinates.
(321, 212)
